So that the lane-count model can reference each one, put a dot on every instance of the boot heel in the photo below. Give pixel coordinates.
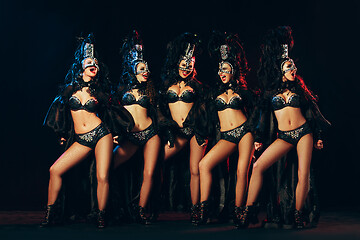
(141, 216)
(101, 221)
(238, 212)
(52, 216)
(299, 222)
(195, 213)
(249, 216)
(203, 213)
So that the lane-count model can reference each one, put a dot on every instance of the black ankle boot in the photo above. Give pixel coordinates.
(299, 220)
(238, 212)
(203, 213)
(195, 213)
(249, 216)
(49, 216)
(141, 216)
(53, 215)
(101, 222)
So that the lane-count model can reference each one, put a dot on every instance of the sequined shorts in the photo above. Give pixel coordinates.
(294, 136)
(185, 132)
(141, 137)
(236, 134)
(91, 138)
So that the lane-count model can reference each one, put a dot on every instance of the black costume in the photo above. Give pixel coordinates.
(127, 186)
(176, 173)
(196, 121)
(77, 195)
(226, 49)
(281, 178)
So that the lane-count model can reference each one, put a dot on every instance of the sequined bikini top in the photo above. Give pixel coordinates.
(279, 102)
(129, 99)
(90, 106)
(234, 103)
(187, 96)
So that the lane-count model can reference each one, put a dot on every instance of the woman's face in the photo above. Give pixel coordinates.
(225, 72)
(143, 75)
(185, 71)
(289, 69)
(90, 69)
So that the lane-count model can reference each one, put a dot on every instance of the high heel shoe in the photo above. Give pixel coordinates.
(249, 216)
(52, 216)
(299, 222)
(238, 212)
(141, 216)
(101, 222)
(203, 213)
(49, 216)
(194, 213)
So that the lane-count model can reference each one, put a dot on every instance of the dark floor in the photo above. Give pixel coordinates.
(341, 224)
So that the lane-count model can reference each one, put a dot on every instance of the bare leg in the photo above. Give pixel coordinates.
(178, 145)
(151, 153)
(272, 154)
(103, 154)
(246, 151)
(196, 153)
(218, 153)
(66, 161)
(304, 151)
(124, 152)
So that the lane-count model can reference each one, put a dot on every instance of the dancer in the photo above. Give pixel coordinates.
(76, 116)
(135, 94)
(299, 121)
(233, 106)
(183, 113)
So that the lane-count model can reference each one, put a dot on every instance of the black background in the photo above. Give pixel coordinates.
(38, 42)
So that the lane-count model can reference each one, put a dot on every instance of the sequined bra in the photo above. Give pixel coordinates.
(234, 103)
(187, 96)
(129, 99)
(279, 102)
(90, 106)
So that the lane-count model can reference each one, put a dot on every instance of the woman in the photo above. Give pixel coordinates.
(136, 96)
(297, 116)
(182, 110)
(76, 116)
(233, 104)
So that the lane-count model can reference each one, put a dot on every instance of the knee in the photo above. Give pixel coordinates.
(102, 178)
(54, 171)
(194, 171)
(303, 177)
(203, 167)
(241, 174)
(257, 169)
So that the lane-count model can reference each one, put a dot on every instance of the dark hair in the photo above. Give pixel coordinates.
(128, 78)
(236, 56)
(175, 49)
(270, 72)
(74, 75)
(127, 75)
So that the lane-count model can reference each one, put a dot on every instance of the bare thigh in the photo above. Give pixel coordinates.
(103, 154)
(246, 150)
(272, 154)
(218, 153)
(124, 152)
(151, 153)
(196, 153)
(72, 156)
(178, 145)
(304, 151)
